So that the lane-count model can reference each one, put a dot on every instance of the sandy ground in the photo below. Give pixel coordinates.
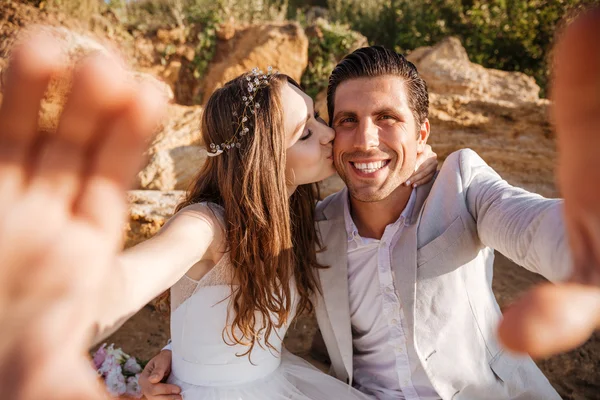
(575, 375)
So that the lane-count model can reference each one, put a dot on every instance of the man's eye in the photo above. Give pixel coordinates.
(349, 119)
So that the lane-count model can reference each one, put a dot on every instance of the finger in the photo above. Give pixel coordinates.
(164, 389)
(31, 66)
(147, 370)
(551, 319)
(576, 95)
(117, 158)
(583, 227)
(164, 397)
(424, 174)
(99, 90)
(419, 178)
(420, 182)
(161, 368)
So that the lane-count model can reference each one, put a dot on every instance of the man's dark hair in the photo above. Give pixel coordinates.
(374, 61)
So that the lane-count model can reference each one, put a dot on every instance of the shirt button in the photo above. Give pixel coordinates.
(394, 321)
(388, 290)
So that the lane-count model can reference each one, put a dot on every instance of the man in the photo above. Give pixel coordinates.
(44, 328)
(416, 318)
(407, 308)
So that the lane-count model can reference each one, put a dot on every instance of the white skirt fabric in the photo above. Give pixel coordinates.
(294, 379)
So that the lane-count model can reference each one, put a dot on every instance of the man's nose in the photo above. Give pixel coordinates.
(366, 136)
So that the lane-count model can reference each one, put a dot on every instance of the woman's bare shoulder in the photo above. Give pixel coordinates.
(198, 220)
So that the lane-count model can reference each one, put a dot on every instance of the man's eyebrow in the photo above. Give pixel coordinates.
(386, 110)
(344, 114)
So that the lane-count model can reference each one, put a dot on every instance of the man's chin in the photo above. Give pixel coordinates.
(367, 195)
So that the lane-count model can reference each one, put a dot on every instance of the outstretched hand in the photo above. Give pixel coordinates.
(61, 213)
(556, 318)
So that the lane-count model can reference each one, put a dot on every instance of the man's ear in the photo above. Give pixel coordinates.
(423, 136)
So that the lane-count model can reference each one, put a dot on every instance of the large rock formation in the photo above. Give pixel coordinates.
(172, 169)
(283, 46)
(496, 113)
(447, 70)
(176, 153)
(148, 211)
(181, 127)
(516, 139)
(75, 47)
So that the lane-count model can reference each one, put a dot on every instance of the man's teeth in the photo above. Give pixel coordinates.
(371, 167)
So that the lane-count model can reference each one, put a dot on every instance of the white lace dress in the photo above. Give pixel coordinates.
(208, 368)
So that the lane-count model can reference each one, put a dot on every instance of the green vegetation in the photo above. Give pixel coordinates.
(514, 35)
(328, 43)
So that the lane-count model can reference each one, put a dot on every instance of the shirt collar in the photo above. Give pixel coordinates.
(351, 229)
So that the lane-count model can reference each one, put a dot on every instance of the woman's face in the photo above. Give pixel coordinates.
(309, 141)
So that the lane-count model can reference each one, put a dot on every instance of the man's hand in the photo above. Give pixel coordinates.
(156, 370)
(425, 168)
(557, 318)
(61, 213)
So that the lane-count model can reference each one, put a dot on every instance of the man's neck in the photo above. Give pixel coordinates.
(371, 218)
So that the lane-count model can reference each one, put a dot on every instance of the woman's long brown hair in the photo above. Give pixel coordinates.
(270, 236)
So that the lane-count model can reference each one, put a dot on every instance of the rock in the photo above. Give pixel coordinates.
(496, 113)
(148, 211)
(172, 169)
(76, 48)
(169, 73)
(516, 139)
(447, 70)
(168, 36)
(226, 30)
(282, 45)
(181, 127)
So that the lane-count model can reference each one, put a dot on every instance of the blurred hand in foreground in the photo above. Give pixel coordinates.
(61, 214)
(555, 318)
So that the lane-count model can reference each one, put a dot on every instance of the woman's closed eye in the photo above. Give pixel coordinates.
(307, 135)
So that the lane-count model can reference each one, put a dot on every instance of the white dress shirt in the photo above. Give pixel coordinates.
(385, 362)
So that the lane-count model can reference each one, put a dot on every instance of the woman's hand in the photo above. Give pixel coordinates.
(61, 213)
(425, 168)
(153, 375)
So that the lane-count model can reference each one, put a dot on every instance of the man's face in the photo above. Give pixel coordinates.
(377, 138)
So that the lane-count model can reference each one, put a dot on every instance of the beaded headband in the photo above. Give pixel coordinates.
(257, 80)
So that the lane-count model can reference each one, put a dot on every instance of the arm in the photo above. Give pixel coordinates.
(526, 227)
(148, 269)
(557, 318)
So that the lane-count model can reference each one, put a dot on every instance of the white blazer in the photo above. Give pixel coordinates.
(444, 278)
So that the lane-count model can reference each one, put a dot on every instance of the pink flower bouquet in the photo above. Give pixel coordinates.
(119, 371)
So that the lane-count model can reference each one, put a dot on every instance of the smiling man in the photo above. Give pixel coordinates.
(408, 310)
